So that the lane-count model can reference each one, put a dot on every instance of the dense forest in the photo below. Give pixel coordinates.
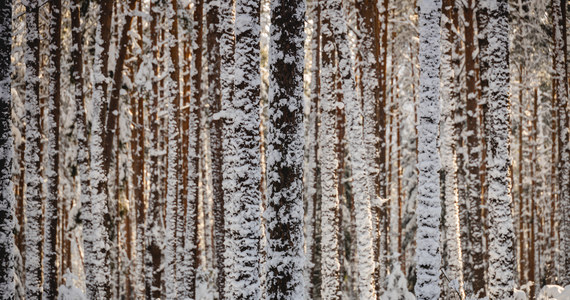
(284, 149)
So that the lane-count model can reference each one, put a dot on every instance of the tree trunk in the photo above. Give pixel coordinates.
(7, 203)
(501, 234)
(429, 208)
(33, 179)
(285, 151)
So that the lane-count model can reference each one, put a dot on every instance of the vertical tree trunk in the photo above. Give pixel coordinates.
(227, 51)
(52, 168)
(7, 202)
(448, 150)
(33, 179)
(285, 151)
(154, 246)
(242, 203)
(501, 234)
(473, 158)
(330, 266)
(429, 209)
(561, 73)
(216, 130)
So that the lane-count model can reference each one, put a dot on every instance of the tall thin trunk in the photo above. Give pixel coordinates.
(285, 151)
(561, 73)
(52, 168)
(428, 208)
(330, 266)
(501, 234)
(7, 200)
(449, 150)
(473, 156)
(33, 179)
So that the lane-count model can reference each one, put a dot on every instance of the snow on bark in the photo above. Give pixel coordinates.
(213, 19)
(330, 266)
(561, 74)
(355, 140)
(227, 44)
(428, 211)
(172, 96)
(451, 239)
(7, 200)
(155, 215)
(501, 268)
(285, 151)
(52, 174)
(33, 179)
(242, 205)
(101, 222)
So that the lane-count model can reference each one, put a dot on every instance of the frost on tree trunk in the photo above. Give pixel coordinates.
(172, 95)
(52, 174)
(242, 205)
(224, 259)
(330, 265)
(501, 234)
(101, 222)
(451, 241)
(428, 211)
(33, 179)
(7, 220)
(285, 150)
(561, 93)
(213, 18)
(354, 134)
(155, 216)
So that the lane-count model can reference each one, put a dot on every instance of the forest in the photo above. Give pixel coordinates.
(284, 149)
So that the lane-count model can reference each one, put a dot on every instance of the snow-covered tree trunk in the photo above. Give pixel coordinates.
(213, 18)
(33, 177)
(312, 211)
(561, 74)
(473, 164)
(172, 95)
(52, 174)
(448, 150)
(242, 205)
(355, 140)
(155, 217)
(330, 265)
(191, 260)
(7, 200)
(227, 44)
(428, 211)
(285, 150)
(501, 234)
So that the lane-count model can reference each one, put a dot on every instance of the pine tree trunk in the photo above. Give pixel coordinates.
(154, 246)
(7, 200)
(561, 73)
(330, 266)
(52, 169)
(429, 208)
(33, 179)
(285, 151)
(501, 234)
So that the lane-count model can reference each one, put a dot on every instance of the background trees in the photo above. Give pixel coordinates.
(191, 149)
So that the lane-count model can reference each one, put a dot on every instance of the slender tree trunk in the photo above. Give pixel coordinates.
(52, 170)
(330, 266)
(33, 179)
(429, 209)
(501, 234)
(154, 246)
(7, 200)
(285, 150)
(561, 73)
